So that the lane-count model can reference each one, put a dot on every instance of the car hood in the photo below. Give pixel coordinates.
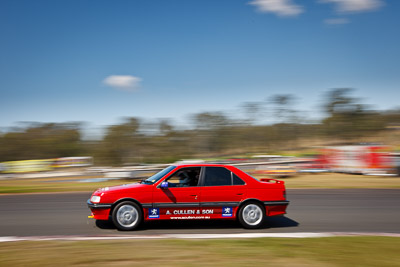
(118, 188)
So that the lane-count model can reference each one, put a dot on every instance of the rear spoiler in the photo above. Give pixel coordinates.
(268, 180)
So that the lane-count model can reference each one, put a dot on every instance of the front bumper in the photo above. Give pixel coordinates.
(99, 211)
(98, 205)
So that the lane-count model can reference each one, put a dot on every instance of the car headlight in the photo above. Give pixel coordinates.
(95, 199)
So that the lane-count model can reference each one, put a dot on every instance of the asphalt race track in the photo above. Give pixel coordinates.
(311, 210)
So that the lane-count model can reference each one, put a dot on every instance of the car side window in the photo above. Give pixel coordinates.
(215, 176)
(184, 177)
(236, 180)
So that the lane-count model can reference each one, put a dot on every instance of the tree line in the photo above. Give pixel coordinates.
(214, 134)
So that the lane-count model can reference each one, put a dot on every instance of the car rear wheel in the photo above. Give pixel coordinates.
(127, 216)
(251, 215)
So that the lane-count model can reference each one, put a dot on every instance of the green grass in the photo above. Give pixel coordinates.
(324, 180)
(46, 185)
(333, 251)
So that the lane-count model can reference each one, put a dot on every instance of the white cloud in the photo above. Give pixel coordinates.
(336, 21)
(355, 6)
(123, 82)
(284, 8)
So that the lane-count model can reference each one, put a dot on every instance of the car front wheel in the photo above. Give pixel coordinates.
(127, 216)
(251, 215)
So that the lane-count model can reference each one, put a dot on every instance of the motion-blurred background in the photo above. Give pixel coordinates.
(128, 83)
(96, 93)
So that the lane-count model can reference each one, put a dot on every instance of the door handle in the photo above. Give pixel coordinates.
(195, 196)
(239, 194)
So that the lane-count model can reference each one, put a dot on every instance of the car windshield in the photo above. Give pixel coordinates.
(153, 179)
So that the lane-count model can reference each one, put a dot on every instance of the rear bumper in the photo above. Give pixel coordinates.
(276, 203)
(276, 208)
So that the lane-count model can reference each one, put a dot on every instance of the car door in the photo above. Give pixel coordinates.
(221, 192)
(179, 199)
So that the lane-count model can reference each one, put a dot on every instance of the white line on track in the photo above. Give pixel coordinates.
(191, 236)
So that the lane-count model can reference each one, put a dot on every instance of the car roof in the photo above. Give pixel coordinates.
(202, 165)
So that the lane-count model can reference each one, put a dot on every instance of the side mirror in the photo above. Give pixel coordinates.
(164, 185)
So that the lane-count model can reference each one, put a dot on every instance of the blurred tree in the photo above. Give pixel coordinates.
(210, 120)
(120, 143)
(286, 129)
(41, 141)
(165, 126)
(347, 119)
(283, 107)
(211, 133)
(252, 111)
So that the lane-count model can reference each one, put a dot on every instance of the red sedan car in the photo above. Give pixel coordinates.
(198, 191)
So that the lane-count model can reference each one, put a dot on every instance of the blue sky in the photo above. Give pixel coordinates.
(98, 61)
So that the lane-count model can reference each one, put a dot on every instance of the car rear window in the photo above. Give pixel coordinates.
(218, 176)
